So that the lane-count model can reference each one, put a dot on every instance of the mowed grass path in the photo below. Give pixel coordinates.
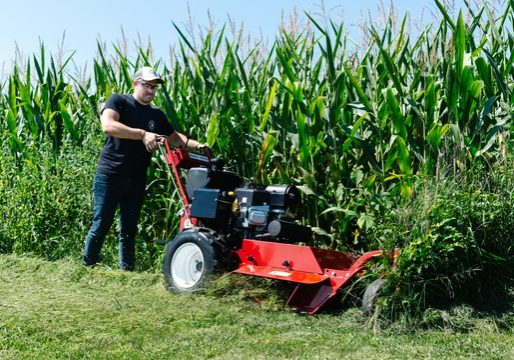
(60, 310)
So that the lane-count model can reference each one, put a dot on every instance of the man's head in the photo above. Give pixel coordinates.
(146, 81)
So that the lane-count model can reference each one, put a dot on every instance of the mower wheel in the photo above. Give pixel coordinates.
(370, 295)
(189, 261)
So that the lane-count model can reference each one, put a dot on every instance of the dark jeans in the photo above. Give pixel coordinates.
(111, 191)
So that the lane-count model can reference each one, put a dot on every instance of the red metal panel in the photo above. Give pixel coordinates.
(292, 257)
(280, 274)
(319, 273)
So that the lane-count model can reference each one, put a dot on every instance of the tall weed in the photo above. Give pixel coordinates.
(455, 242)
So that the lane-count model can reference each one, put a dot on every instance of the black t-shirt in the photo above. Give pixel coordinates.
(129, 157)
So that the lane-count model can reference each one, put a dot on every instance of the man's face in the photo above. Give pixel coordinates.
(144, 91)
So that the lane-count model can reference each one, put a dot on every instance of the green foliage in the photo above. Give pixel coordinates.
(455, 242)
(47, 202)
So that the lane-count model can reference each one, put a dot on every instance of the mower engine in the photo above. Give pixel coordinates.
(220, 204)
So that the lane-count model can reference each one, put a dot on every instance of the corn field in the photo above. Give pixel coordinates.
(355, 129)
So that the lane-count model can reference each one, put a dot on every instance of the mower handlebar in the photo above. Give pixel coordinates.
(182, 158)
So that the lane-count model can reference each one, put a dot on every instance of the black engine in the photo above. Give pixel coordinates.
(221, 203)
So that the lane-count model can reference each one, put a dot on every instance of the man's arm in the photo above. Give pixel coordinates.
(112, 126)
(180, 140)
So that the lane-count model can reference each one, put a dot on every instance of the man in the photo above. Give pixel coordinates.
(133, 126)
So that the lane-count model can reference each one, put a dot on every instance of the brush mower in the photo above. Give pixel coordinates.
(227, 226)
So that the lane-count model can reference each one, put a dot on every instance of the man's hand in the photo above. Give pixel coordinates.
(151, 141)
(205, 150)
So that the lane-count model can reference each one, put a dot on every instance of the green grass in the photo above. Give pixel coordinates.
(60, 310)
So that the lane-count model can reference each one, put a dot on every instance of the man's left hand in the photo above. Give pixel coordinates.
(205, 150)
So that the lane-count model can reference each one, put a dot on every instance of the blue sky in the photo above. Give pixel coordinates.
(25, 22)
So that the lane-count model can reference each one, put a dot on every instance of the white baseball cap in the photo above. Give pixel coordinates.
(147, 73)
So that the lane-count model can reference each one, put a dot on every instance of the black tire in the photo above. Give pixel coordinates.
(189, 261)
(370, 296)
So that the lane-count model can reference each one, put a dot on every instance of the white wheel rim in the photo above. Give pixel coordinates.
(187, 265)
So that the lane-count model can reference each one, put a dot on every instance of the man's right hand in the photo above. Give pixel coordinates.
(151, 141)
